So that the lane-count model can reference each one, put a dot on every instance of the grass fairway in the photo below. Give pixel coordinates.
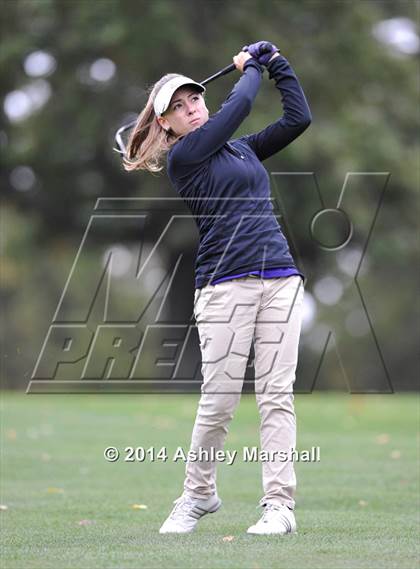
(67, 507)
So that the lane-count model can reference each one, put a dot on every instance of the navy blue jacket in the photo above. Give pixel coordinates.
(226, 187)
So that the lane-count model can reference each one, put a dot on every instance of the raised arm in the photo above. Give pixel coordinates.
(201, 143)
(296, 114)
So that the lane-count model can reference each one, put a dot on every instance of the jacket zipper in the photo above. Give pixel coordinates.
(234, 151)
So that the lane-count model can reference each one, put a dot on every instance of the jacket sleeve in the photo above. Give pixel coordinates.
(204, 141)
(296, 114)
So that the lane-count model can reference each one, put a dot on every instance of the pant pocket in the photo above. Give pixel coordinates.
(202, 297)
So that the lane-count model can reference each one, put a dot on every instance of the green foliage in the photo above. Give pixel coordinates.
(362, 96)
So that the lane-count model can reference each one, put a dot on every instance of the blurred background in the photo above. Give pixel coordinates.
(74, 71)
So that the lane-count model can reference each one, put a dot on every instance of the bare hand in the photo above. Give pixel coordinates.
(239, 60)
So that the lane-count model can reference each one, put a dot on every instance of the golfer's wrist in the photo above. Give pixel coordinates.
(251, 62)
(275, 63)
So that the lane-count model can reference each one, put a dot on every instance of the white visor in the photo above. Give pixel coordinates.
(164, 96)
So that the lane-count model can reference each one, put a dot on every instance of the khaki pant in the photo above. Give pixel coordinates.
(230, 315)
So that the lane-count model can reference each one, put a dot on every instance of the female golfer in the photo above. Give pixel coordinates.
(248, 289)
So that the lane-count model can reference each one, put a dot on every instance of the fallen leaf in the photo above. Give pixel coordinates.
(382, 439)
(54, 490)
(163, 422)
(363, 503)
(3, 507)
(45, 457)
(11, 434)
(395, 454)
(86, 522)
(139, 507)
(229, 538)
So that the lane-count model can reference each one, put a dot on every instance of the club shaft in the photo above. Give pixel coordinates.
(223, 71)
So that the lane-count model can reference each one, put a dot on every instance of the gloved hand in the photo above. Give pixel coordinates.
(262, 51)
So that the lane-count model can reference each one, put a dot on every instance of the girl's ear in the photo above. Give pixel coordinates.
(163, 123)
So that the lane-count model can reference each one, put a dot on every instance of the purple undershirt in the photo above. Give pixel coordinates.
(263, 273)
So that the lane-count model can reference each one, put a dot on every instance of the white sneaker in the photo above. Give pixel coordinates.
(187, 512)
(275, 519)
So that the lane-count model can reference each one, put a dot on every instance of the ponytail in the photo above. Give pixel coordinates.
(149, 141)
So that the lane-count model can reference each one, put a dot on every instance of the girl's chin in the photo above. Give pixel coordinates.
(192, 127)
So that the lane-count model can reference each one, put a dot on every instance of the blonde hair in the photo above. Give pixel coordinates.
(149, 141)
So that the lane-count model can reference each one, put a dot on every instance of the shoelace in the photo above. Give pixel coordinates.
(183, 506)
(269, 509)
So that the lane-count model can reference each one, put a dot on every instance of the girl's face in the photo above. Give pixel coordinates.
(186, 112)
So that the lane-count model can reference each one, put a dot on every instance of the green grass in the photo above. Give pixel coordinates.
(356, 508)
